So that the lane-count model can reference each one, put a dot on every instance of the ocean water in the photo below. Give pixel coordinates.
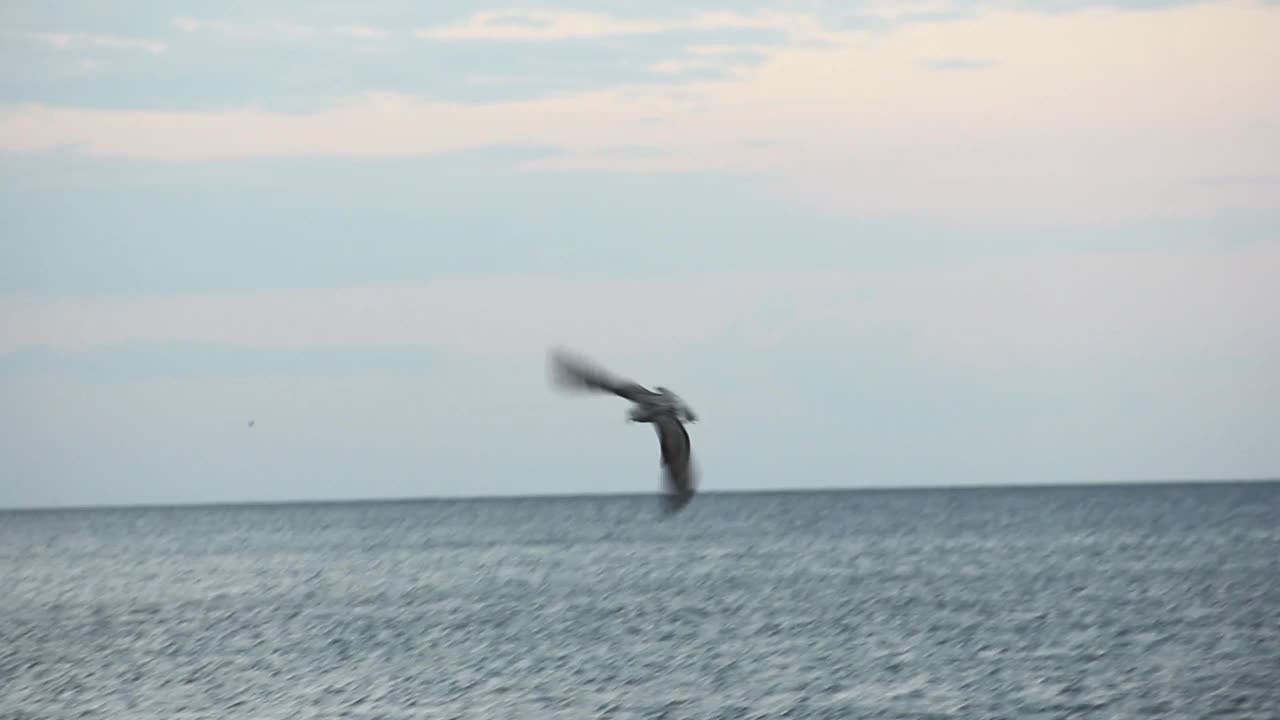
(1114, 602)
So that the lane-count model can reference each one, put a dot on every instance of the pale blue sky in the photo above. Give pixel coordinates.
(924, 243)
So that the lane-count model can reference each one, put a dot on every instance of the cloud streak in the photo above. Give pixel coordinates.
(1043, 135)
(554, 26)
(263, 31)
(248, 31)
(960, 64)
(86, 41)
(1034, 309)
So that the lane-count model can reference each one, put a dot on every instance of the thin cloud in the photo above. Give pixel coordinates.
(552, 26)
(1241, 180)
(365, 32)
(959, 64)
(276, 29)
(98, 41)
(905, 9)
(858, 126)
(515, 25)
(710, 58)
(993, 313)
(193, 26)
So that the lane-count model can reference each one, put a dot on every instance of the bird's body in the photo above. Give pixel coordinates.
(660, 407)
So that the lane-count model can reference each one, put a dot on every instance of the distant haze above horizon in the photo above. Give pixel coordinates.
(1173, 485)
(320, 250)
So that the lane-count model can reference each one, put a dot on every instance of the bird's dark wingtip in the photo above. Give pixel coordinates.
(560, 360)
(570, 371)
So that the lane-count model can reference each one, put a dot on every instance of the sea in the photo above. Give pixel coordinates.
(1153, 601)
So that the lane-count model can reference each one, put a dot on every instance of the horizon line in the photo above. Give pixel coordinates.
(499, 497)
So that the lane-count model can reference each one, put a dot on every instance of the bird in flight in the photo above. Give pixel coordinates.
(666, 411)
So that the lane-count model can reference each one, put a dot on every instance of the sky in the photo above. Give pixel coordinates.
(876, 244)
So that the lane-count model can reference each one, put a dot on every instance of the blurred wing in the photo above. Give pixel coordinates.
(574, 372)
(676, 462)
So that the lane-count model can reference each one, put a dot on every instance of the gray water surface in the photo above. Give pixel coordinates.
(1107, 602)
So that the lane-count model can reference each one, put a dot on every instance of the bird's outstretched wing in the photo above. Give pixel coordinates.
(570, 371)
(677, 463)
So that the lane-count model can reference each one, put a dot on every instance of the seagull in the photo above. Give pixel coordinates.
(665, 410)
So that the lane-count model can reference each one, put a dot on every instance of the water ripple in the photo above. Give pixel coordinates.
(1160, 602)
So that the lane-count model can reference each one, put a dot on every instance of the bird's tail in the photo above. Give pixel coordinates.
(673, 502)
